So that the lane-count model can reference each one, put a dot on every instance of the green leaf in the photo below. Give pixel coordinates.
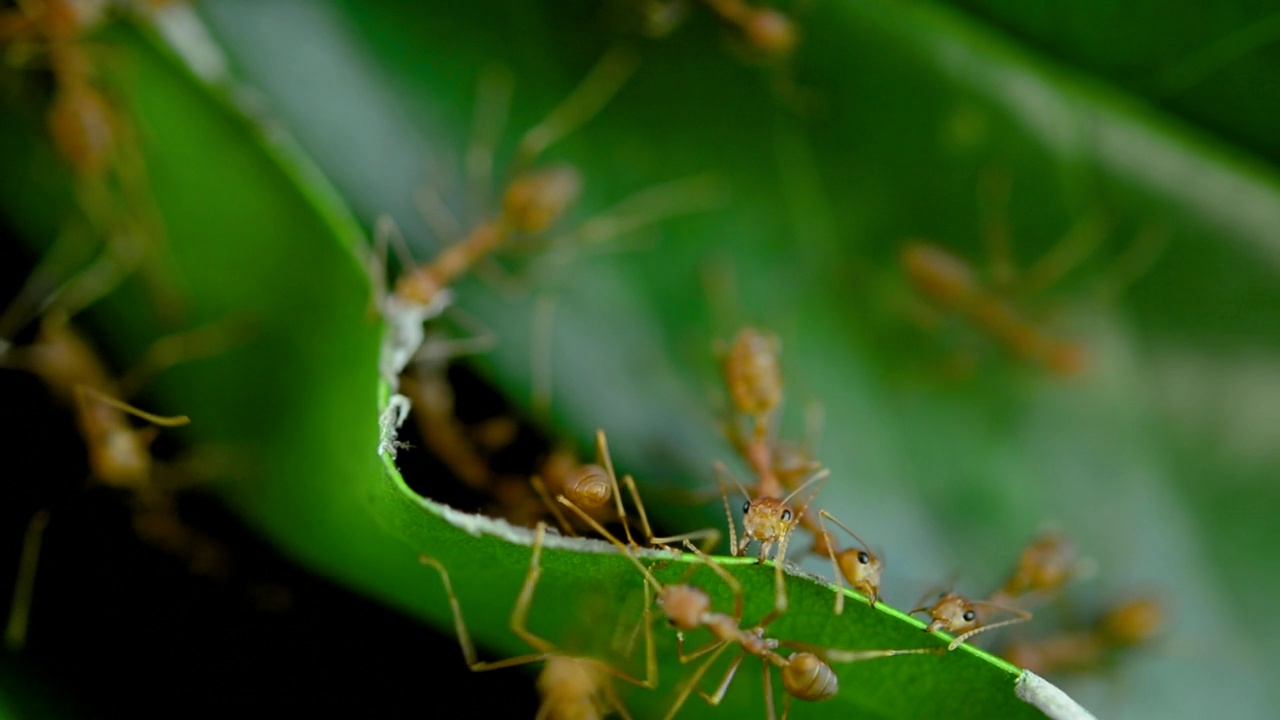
(288, 414)
(917, 103)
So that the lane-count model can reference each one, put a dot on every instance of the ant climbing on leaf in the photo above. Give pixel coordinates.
(806, 674)
(571, 687)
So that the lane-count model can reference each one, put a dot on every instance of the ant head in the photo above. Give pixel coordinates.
(862, 569)
(770, 33)
(809, 677)
(767, 519)
(536, 200)
(684, 605)
(589, 487)
(953, 613)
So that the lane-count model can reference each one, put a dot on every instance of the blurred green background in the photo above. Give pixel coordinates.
(1158, 458)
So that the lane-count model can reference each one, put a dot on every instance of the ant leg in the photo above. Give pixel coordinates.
(693, 682)
(650, 680)
(721, 471)
(1134, 262)
(482, 340)
(768, 690)
(734, 586)
(602, 455)
(15, 636)
(993, 189)
(488, 120)
(541, 489)
(540, 359)
(460, 628)
(600, 85)
(84, 394)
(1078, 244)
(835, 567)
(622, 548)
(714, 698)
(198, 343)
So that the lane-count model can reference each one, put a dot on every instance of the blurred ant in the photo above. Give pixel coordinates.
(761, 32)
(1044, 566)
(570, 686)
(119, 454)
(1122, 626)
(994, 307)
(806, 674)
(91, 135)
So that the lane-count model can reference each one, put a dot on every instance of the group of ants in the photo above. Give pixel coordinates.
(94, 140)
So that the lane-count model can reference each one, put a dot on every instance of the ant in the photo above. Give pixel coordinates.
(767, 520)
(960, 616)
(119, 454)
(533, 201)
(752, 373)
(993, 306)
(570, 686)
(93, 138)
(806, 674)
(1126, 624)
(1044, 566)
(765, 33)
(861, 567)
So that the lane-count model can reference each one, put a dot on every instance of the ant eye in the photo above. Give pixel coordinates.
(786, 515)
(863, 557)
(746, 506)
(969, 615)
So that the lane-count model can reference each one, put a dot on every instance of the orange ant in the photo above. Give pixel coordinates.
(570, 686)
(765, 32)
(861, 567)
(767, 520)
(992, 307)
(1124, 625)
(806, 674)
(1045, 565)
(532, 202)
(960, 616)
(93, 138)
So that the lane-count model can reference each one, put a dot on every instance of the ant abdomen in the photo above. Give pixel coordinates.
(589, 488)
(807, 677)
(753, 373)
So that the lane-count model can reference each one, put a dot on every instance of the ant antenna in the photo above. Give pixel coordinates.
(604, 81)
